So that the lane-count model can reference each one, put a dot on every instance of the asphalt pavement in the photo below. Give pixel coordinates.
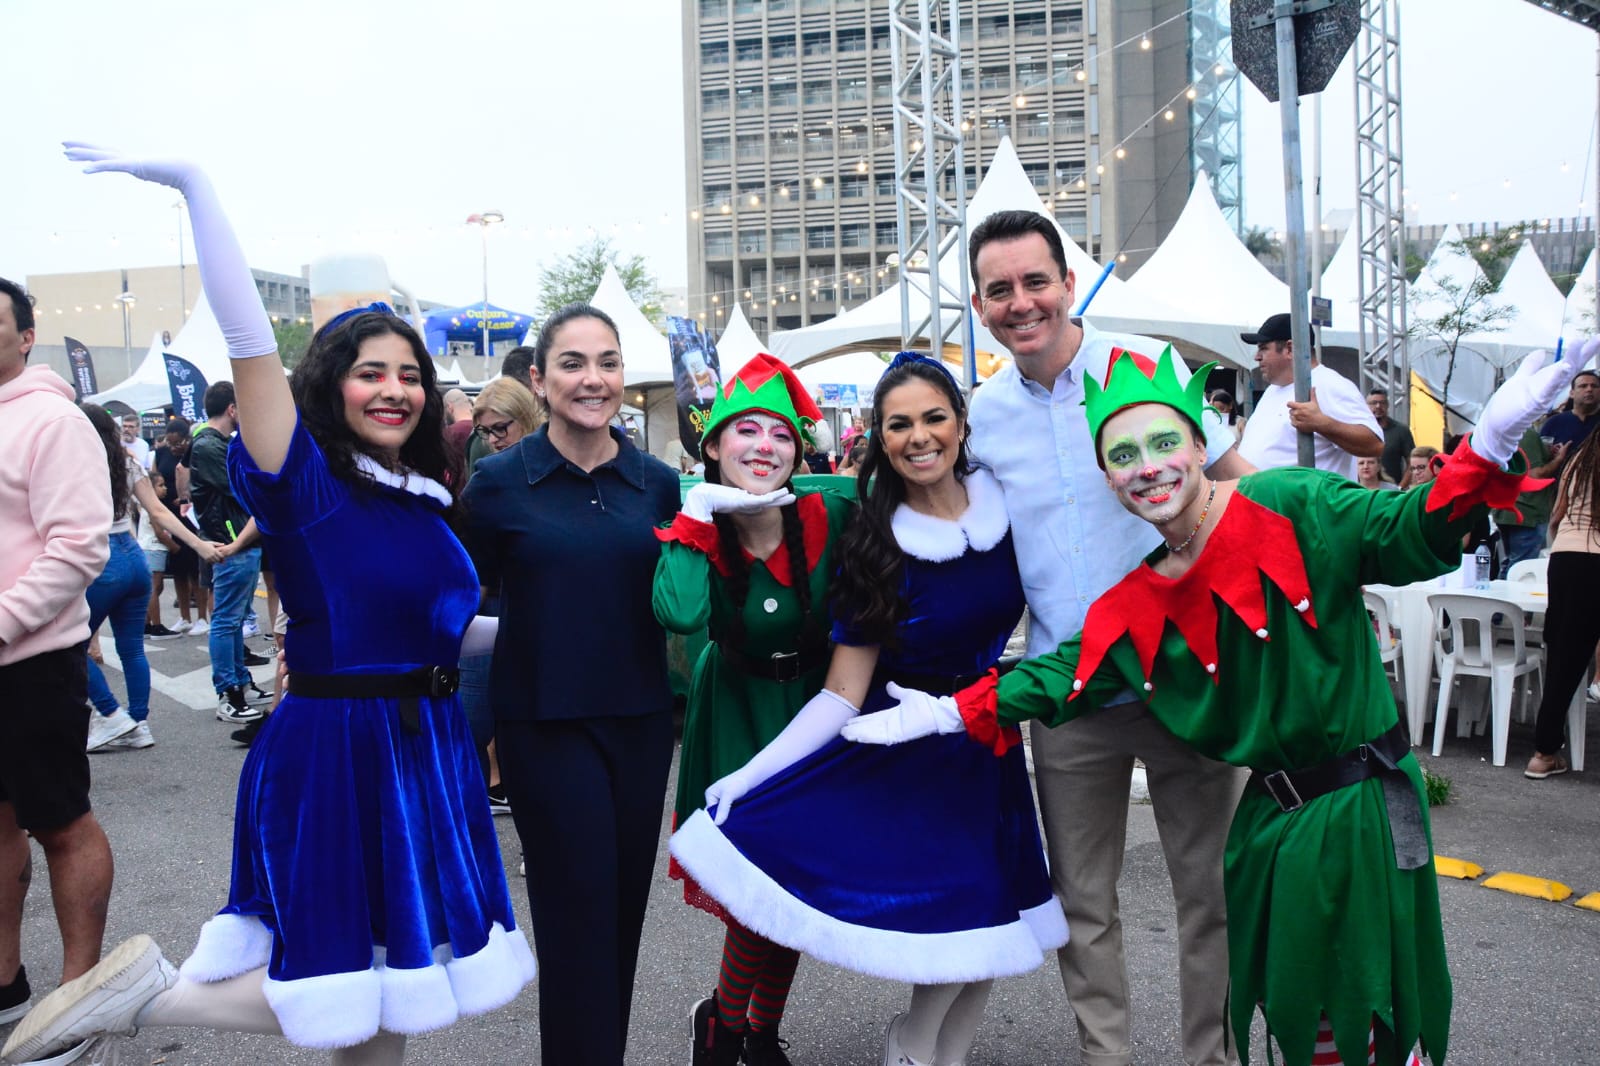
(1527, 971)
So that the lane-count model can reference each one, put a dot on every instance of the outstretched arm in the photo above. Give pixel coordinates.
(266, 408)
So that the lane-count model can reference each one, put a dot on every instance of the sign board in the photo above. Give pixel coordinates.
(1321, 312)
(1324, 30)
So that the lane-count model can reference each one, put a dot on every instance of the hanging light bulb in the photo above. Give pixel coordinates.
(694, 216)
(1190, 93)
(1022, 100)
(816, 182)
(1144, 44)
(755, 201)
(1170, 115)
(1122, 153)
(1082, 75)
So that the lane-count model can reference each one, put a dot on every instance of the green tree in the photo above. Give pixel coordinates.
(1464, 308)
(574, 277)
(1262, 243)
(1494, 251)
(293, 337)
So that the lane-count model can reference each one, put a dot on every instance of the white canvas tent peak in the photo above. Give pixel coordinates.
(738, 343)
(1579, 318)
(1538, 303)
(459, 374)
(200, 341)
(646, 357)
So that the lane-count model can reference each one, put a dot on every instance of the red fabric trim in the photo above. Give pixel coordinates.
(1466, 479)
(692, 533)
(1140, 605)
(979, 704)
(813, 534)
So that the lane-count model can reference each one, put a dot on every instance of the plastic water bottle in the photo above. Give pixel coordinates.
(1480, 570)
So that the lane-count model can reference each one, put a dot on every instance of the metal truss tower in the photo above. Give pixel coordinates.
(1380, 207)
(930, 172)
(1215, 147)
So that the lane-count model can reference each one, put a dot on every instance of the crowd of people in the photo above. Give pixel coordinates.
(475, 602)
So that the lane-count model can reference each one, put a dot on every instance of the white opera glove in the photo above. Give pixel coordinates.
(706, 499)
(480, 635)
(816, 723)
(224, 273)
(916, 715)
(1534, 389)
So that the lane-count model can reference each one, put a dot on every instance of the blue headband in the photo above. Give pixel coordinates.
(379, 308)
(917, 357)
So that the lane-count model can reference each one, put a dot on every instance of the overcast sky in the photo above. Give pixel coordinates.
(327, 129)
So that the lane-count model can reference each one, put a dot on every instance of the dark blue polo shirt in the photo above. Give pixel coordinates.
(573, 554)
(1569, 429)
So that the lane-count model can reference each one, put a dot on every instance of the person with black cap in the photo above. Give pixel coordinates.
(1345, 429)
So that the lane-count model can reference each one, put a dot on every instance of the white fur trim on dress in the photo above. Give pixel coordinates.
(939, 540)
(765, 907)
(1048, 923)
(229, 945)
(491, 977)
(331, 1011)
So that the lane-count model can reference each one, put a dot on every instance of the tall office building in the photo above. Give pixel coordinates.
(790, 130)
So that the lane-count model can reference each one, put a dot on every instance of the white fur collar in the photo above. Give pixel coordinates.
(410, 481)
(939, 540)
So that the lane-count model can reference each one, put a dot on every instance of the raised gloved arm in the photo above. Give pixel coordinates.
(817, 723)
(1527, 395)
(266, 408)
(917, 715)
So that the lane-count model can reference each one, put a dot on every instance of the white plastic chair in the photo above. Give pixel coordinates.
(1577, 720)
(1474, 653)
(1389, 650)
(1535, 571)
(1532, 572)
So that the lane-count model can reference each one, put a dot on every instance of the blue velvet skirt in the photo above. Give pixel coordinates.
(919, 862)
(367, 875)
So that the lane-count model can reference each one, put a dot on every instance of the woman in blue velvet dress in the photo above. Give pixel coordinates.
(920, 863)
(368, 897)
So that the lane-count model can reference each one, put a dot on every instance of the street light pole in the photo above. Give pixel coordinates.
(183, 287)
(483, 221)
(127, 300)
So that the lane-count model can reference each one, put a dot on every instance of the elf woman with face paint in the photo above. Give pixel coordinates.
(1247, 635)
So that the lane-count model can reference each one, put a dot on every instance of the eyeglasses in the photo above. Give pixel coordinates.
(496, 431)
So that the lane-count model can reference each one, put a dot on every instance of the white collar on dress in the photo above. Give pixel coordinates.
(939, 540)
(410, 481)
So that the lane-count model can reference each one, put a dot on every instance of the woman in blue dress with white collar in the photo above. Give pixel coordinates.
(368, 897)
(919, 863)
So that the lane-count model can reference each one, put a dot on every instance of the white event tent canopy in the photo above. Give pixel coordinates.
(737, 344)
(200, 341)
(646, 360)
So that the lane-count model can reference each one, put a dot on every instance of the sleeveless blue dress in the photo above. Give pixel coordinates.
(367, 875)
(919, 862)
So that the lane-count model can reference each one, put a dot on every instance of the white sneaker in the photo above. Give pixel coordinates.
(251, 627)
(200, 628)
(893, 1054)
(137, 737)
(104, 728)
(107, 999)
(181, 627)
(1594, 692)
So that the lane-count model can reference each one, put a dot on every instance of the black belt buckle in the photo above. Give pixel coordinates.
(441, 680)
(1281, 788)
(785, 666)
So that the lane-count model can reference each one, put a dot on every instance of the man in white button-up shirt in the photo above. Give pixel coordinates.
(1074, 540)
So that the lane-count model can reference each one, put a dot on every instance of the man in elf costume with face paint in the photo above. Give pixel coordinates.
(1247, 634)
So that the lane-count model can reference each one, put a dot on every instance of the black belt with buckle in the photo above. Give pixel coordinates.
(780, 666)
(1293, 789)
(408, 688)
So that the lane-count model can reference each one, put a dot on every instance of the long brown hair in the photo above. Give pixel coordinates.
(116, 456)
(1582, 480)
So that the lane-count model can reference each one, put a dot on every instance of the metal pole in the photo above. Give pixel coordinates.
(1294, 205)
(483, 232)
(1316, 213)
(183, 287)
(127, 342)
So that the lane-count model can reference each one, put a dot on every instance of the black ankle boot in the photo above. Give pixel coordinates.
(762, 1047)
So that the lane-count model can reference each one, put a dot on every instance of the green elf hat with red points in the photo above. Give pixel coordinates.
(1133, 379)
(765, 385)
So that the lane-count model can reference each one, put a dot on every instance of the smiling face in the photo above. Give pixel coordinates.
(581, 383)
(499, 429)
(383, 395)
(755, 452)
(1152, 462)
(1023, 298)
(921, 435)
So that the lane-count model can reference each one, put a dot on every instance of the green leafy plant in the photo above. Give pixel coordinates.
(1437, 787)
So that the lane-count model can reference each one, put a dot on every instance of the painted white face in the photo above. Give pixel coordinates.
(756, 452)
(1152, 462)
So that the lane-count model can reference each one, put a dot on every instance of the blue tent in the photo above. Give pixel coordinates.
(465, 324)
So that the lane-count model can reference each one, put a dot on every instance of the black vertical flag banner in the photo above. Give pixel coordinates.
(696, 377)
(82, 364)
(188, 387)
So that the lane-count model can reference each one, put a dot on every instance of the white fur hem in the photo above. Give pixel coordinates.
(229, 945)
(490, 978)
(1048, 923)
(331, 1011)
(762, 905)
(939, 540)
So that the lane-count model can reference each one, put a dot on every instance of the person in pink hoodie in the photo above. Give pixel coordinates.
(54, 524)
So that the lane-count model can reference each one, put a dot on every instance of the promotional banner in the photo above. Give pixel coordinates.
(696, 377)
(188, 387)
(82, 364)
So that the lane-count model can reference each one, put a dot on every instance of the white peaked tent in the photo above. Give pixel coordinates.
(1341, 287)
(861, 369)
(1477, 355)
(646, 358)
(738, 344)
(460, 375)
(1539, 304)
(200, 341)
(1579, 317)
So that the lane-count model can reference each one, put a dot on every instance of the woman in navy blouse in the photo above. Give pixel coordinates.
(562, 527)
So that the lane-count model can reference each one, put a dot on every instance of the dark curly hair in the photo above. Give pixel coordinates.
(739, 574)
(318, 382)
(867, 592)
(116, 456)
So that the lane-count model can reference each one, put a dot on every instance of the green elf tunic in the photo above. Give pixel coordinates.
(1270, 662)
(731, 714)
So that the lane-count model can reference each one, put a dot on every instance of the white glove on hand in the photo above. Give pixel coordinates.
(813, 726)
(480, 636)
(916, 715)
(1533, 390)
(224, 273)
(706, 499)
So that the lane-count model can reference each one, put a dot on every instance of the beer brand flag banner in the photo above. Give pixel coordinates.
(82, 364)
(188, 387)
(696, 377)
